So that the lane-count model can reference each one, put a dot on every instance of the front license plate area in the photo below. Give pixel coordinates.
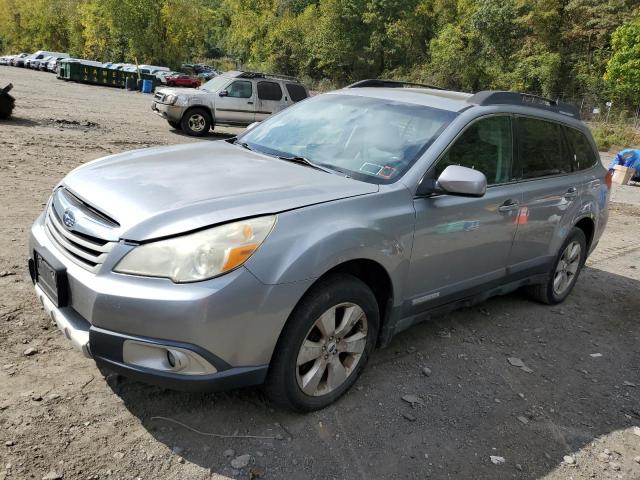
(51, 279)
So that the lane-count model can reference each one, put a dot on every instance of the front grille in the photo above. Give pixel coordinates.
(84, 250)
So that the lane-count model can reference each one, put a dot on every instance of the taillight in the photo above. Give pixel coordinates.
(608, 179)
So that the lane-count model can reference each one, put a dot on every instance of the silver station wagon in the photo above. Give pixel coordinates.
(231, 99)
(285, 255)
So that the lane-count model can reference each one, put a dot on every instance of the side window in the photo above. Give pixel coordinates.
(582, 153)
(487, 146)
(296, 92)
(269, 91)
(541, 148)
(240, 89)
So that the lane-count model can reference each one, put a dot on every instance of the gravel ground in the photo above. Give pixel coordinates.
(471, 414)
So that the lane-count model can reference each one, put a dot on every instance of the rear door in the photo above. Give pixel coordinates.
(551, 194)
(462, 244)
(270, 99)
(237, 106)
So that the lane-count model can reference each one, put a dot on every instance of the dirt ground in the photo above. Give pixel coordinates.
(61, 418)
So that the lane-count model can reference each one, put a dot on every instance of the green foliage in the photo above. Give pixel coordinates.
(623, 68)
(614, 136)
(557, 48)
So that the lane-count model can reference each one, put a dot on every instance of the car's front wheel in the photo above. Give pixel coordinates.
(325, 344)
(196, 122)
(565, 270)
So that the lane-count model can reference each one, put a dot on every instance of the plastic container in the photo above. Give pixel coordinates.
(147, 86)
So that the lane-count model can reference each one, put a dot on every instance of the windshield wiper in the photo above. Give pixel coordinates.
(242, 144)
(305, 161)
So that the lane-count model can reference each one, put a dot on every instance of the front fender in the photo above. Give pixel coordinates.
(308, 242)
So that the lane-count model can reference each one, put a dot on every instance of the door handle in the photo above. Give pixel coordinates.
(509, 206)
(250, 103)
(572, 192)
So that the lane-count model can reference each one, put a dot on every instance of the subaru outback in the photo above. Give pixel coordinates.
(285, 255)
(231, 99)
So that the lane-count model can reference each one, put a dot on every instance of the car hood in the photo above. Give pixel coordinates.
(165, 191)
(181, 91)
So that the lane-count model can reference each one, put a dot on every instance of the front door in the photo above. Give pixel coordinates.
(462, 244)
(269, 99)
(237, 106)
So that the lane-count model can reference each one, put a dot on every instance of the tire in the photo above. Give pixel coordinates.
(549, 292)
(335, 298)
(196, 122)
(175, 125)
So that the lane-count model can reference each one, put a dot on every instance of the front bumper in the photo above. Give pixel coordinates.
(231, 322)
(168, 112)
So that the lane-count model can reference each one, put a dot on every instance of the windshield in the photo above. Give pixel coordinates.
(215, 84)
(370, 139)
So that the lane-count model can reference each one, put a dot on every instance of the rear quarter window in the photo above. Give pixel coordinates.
(582, 153)
(542, 149)
(296, 92)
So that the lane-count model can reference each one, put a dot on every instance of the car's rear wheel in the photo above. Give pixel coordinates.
(325, 344)
(565, 270)
(196, 122)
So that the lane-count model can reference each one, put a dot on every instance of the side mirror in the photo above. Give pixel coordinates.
(456, 180)
(251, 125)
(223, 93)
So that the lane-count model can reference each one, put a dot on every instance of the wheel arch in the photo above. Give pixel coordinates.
(588, 227)
(368, 271)
(207, 108)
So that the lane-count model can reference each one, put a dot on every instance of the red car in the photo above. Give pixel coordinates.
(182, 81)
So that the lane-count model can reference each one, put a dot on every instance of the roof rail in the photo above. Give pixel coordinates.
(382, 83)
(247, 74)
(497, 97)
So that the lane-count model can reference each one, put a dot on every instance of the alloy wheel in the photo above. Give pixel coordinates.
(332, 349)
(197, 122)
(567, 268)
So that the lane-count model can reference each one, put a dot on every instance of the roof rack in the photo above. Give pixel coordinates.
(246, 74)
(381, 83)
(497, 97)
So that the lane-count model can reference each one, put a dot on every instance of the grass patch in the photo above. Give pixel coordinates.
(614, 136)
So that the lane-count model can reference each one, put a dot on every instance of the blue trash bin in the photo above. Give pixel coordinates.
(147, 86)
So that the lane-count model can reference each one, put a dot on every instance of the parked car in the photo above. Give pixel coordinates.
(18, 60)
(162, 75)
(52, 64)
(287, 254)
(6, 60)
(233, 98)
(182, 81)
(206, 76)
(37, 64)
(39, 55)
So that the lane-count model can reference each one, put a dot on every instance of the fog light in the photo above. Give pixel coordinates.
(165, 358)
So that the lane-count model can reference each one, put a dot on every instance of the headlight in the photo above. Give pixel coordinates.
(181, 101)
(171, 99)
(201, 255)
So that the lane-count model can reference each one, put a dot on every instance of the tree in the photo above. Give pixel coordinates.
(623, 68)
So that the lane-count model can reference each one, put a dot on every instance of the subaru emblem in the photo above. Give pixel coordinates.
(69, 218)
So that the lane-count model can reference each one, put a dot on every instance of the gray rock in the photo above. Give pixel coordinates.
(519, 467)
(569, 460)
(53, 475)
(636, 431)
(118, 455)
(426, 371)
(413, 400)
(604, 457)
(497, 460)
(637, 459)
(30, 351)
(229, 453)
(241, 462)
(9, 443)
(615, 466)
(516, 362)
(409, 417)
(522, 419)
